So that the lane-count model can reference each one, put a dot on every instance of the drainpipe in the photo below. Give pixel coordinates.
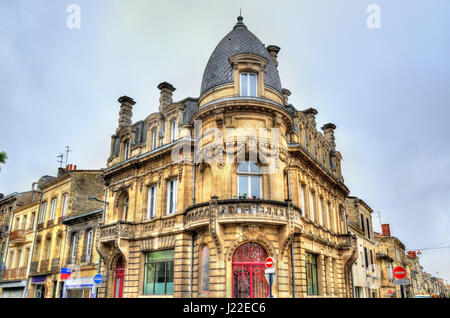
(192, 260)
(293, 266)
(36, 222)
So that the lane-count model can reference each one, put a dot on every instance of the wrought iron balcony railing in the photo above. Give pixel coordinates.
(17, 236)
(44, 266)
(34, 267)
(55, 264)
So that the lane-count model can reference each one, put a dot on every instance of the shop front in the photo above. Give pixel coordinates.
(13, 289)
(38, 286)
(83, 287)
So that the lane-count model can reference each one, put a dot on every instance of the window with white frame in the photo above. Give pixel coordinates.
(173, 130)
(248, 84)
(64, 205)
(302, 191)
(73, 254)
(154, 138)
(321, 218)
(151, 204)
(52, 213)
(126, 154)
(125, 208)
(249, 180)
(171, 196)
(89, 238)
(43, 210)
(311, 204)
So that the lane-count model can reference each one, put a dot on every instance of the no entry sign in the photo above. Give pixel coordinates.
(399, 272)
(270, 262)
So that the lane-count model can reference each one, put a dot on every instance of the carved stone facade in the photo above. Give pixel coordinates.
(172, 228)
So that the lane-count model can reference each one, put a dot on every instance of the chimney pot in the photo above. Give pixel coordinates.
(386, 229)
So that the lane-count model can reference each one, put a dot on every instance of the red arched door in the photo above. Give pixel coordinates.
(118, 278)
(248, 272)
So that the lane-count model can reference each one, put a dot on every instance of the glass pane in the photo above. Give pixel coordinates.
(149, 278)
(160, 278)
(254, 167)
(256, 187)
(252, 84)
(243, 185)
(160, 255)
(244, 86)
(169, 278)
(116, 294)
(244, 167)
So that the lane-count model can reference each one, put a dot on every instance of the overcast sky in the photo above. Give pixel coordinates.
(387, 89)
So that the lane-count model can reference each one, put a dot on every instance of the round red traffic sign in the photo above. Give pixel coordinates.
(270, 262)
(399, 272)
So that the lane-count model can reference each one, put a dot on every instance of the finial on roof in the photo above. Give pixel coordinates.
(240, 23)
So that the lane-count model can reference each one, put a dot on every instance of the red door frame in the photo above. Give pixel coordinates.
(251, 266)
(119, 274)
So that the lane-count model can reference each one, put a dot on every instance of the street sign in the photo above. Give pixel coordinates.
(401, 282)
(270, 262)
(98, 279)
(399, 272)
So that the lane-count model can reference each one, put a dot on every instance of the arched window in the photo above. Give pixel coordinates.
(249, 180)
(125, 209)
(204, 270)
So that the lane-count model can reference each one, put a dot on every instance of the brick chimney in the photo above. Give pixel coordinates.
(328, 132)
(311, 113)
(126, 111)
(273, 51)
(386, 229)
(166, 94)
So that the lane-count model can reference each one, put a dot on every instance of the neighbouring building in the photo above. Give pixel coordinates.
(390, 254)
(18, 245)
(62, 196)
(203, 228)
(81, 253)
(414, 274)
(365, 274)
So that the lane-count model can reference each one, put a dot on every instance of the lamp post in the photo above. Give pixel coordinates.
(93, 198)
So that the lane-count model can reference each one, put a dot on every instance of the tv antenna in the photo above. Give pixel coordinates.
(67, 153)
(60, 159)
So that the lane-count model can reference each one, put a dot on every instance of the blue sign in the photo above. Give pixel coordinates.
(98, 279)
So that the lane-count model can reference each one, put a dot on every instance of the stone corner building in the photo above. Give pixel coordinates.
(199, 229)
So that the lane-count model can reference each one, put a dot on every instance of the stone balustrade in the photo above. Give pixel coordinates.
(114, 231)
(242, 210)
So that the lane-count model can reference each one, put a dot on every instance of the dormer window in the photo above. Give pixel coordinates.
(248, 84)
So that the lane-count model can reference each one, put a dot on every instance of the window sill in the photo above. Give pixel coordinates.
(155, 296)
